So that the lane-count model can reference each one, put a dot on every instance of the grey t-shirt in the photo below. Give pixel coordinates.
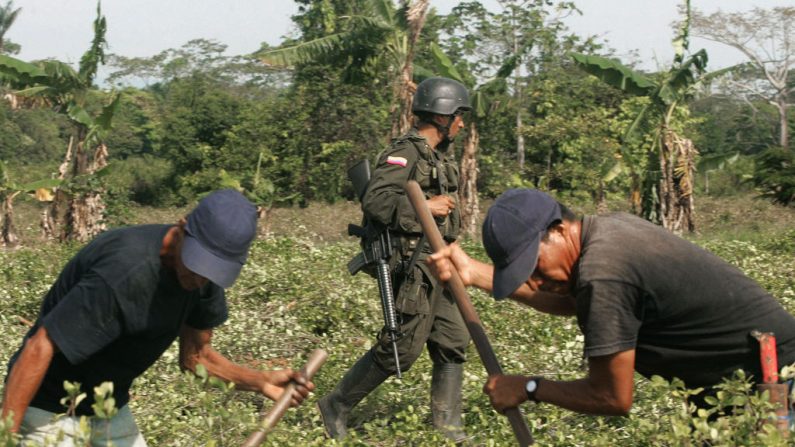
(686, 312)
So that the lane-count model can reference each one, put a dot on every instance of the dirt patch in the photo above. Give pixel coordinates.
(738, 217)
(320, 222)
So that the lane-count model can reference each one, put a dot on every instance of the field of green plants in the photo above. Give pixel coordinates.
(295, 295)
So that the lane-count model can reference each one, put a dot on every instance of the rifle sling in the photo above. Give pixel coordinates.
(414, 256)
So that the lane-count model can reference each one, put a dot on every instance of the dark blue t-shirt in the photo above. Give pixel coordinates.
(112, 313)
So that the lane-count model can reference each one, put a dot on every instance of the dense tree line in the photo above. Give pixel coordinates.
(192, 119)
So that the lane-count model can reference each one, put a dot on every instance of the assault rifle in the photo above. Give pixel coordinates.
(376, 251)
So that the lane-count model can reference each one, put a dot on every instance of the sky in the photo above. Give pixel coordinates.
(62, 30)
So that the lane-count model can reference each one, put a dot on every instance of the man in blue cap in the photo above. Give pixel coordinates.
(645, 299)
(120, 303)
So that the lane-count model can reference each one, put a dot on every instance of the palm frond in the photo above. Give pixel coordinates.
(303, 52)
(385, 10)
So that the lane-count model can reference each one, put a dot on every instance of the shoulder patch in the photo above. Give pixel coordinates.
(399, 161)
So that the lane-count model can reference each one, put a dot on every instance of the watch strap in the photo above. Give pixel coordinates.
(531, 396)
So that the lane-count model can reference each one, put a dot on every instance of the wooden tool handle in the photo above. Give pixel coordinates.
(471, 319)
(316, 360)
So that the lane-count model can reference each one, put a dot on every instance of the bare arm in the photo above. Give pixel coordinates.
(481, 275)
(26, 375)
(608, 389)
(195, 348)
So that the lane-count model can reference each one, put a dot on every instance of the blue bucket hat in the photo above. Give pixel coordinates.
(217, 236)
(512, 233)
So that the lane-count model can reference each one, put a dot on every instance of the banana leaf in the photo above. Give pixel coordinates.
(40, 184)
(615, 74)
(446, 67)
(715, 162)
(21, 72)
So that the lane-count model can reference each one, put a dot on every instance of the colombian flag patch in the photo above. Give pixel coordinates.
(400, 161)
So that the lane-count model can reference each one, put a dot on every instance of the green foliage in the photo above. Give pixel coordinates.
(616, 74)
(8, 15)
(775, 174)
(31, 135)
(66, 89)
(576, 139)
(295, 295)
(364, 38)
(727, 125)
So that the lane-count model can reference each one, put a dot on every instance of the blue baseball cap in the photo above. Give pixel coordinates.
(512, 233)
(217, 236)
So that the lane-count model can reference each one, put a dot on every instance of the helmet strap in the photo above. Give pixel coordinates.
(445, 131)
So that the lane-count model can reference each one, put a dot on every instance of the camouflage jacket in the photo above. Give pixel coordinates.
(409, 157)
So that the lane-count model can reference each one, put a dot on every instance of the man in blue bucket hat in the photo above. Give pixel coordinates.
(120, 303)
(645, 299)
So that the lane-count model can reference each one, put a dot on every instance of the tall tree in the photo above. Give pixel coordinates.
(483, 100)
(767, 39)
(523, 27)
(79, 201)
(371, 39)
(667, 183)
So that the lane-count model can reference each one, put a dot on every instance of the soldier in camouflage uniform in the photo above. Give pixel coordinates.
(427, 312)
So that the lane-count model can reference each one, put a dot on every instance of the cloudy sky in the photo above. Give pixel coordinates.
(62, 29)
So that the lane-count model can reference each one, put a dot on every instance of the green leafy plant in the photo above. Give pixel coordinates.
(294, 294)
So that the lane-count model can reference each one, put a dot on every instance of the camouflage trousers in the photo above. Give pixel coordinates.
(428, 317)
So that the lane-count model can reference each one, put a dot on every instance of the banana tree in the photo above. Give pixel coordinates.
(378, 36)
(663, 190)
(78, 201)
(482, 104)
(9, 190)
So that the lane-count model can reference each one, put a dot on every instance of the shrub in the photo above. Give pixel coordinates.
(775, 174)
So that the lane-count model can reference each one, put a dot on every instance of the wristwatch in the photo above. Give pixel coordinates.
(531, 387)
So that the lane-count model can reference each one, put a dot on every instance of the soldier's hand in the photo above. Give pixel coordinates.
(505, 391)
(448, 258)
(276, 381)
(441, 206)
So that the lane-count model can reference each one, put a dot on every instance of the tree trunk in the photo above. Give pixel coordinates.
(10, 238)
(665, 190)
(635, 195)
(81, 212)
(781, 105)
(468, 183)
(517, 92)
(600, 198)
(404, 86)
(677, 163)
(86, 213)
(519, 139)
(52, 215)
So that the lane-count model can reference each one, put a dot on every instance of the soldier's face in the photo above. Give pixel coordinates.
(458, 124)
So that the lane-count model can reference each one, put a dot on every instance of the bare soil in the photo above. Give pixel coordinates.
(737, 217)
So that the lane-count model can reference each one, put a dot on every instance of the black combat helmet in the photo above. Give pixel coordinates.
(440, 96)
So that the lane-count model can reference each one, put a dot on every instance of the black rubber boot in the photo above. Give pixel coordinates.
(446, 400)
(363, 377)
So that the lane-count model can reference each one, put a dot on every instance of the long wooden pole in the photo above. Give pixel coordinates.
(316, 360)
(475, 327)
